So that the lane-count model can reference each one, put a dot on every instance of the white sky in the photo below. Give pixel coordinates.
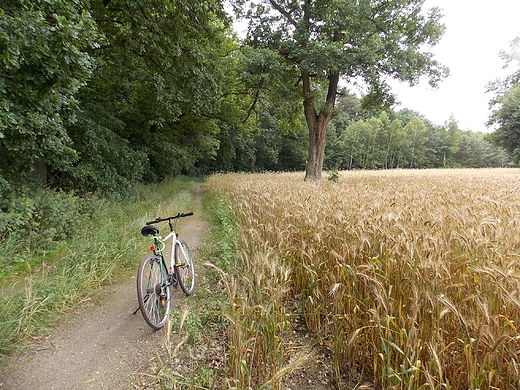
(476, 31)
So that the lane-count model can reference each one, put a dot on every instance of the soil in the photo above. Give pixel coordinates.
(102, 344)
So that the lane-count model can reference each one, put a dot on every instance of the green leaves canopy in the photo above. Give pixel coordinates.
(369, 40)
(42, 66)
(360, 40)
(507, 117)
(158, 85)
(506, 105)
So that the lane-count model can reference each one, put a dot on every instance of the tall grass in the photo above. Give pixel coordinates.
(411, 278)
(108, 246)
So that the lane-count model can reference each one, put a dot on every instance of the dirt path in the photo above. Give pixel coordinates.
(102, 345)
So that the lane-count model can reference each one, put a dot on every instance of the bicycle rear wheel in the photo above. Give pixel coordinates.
(184, 267)
(153, 292)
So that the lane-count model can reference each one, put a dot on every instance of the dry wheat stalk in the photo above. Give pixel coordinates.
(409, 276)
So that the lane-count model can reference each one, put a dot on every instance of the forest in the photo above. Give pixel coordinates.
(98, 96)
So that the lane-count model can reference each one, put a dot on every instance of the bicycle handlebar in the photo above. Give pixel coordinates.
(159, 219)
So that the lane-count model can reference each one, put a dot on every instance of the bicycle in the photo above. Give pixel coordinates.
(155, 278)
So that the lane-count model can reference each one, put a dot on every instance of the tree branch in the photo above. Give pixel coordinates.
(252, 108)
(308, 102)
(375, 23)
(148, 58)
(91, 49)
(280, 9)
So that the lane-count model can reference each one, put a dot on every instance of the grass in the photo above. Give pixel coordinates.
(196, 356)
(410, 278)
(108, 247)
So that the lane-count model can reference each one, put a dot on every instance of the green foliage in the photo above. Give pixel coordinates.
(42, 67)
(507, 118)
(354, 38)
(260, 122)
(98, 96)
(511, 58)
(159, 83)
(506, 102)
(476, 152)
(324, 41)
(224, 234)
(407, 141)
(107, 164)
(39, 218)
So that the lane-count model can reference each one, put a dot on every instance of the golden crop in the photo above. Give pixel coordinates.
(410, 277)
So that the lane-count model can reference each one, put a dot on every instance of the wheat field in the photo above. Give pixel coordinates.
(411, 278)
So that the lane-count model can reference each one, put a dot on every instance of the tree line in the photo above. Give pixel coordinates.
(99, 96)
(358, 139)
(405, 139)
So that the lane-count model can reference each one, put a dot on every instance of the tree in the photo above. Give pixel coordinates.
(507, 116)
(452, 138)
(42, 67)
(476, 152)
(506, 107)
(262, 125)
(155, 94)
(416, 131)
(100, 94)
(326, 41)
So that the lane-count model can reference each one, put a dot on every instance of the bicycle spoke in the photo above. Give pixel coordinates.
(153, 292)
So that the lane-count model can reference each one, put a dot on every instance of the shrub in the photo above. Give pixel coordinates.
(42, 216)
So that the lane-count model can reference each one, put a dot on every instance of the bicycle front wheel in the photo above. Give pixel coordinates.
(184, 267)
(153, 292)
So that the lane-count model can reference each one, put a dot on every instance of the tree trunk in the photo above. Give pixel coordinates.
(317, 123)
(316, 150)
(41, 172)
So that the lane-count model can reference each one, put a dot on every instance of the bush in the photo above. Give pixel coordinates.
(41, 217)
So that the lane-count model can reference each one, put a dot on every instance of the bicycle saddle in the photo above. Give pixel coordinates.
(150, 230)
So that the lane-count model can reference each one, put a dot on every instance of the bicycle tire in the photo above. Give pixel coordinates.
(153, 292)
(184, 267)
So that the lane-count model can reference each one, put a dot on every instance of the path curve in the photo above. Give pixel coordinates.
(101, 345)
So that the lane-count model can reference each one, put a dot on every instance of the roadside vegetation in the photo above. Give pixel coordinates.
(43, 277)
(196, 353)
(409, 278)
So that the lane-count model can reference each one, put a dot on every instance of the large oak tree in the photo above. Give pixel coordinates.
(367, 41)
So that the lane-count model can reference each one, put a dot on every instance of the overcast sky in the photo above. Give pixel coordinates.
(475, 35)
